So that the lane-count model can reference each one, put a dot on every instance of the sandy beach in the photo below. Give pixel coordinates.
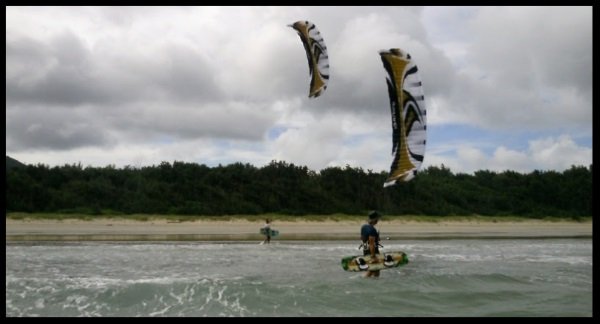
(243, 230)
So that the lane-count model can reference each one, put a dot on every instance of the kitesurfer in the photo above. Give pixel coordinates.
(370, 238)
(267, 229)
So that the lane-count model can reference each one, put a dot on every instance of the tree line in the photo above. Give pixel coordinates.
(195, 189)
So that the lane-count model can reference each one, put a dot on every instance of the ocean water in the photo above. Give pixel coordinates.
(472, 277)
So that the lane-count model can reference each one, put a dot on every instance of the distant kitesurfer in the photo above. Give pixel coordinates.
(267, 229)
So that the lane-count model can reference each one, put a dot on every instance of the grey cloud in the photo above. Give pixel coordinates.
(58, 73)
(65, 72)
(60, 129)
(151, 121)
(186, 77)
(520, 66)
(547, 45)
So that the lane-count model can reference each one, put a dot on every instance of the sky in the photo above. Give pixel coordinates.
(506, 88)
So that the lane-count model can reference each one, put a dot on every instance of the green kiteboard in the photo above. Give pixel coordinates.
(365, 263)
(273, 232)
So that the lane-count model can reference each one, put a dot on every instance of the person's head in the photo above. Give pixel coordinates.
(268, 221)
(374, 216)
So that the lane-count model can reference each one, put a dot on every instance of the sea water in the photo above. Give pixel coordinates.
(471, 277)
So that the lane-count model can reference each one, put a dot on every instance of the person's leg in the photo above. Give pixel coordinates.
(374, 274)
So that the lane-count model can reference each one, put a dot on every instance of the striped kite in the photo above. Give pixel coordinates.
(407, 105)
(316, 53)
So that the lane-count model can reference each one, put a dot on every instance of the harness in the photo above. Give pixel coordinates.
(365, 245)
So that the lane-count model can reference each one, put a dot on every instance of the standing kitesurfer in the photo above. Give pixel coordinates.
(267, 229)
(370, 238)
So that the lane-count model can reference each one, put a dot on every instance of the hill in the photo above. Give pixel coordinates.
(12, 163)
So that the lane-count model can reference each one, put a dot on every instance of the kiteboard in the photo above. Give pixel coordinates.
(273, 232)
(365, 263)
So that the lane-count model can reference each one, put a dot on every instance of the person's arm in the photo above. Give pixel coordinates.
(372, 246)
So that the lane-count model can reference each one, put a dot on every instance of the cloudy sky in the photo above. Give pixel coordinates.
(506, 88)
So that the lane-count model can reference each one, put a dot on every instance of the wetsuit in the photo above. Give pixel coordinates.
(366, 231)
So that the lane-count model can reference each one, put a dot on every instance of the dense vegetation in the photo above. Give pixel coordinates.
(279, 187)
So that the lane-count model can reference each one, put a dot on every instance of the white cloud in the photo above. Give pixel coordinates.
(559, 153)
(314, 145)
(507, 159)
(552, 153)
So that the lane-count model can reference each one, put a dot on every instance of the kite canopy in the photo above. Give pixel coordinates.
(316, 53)
(407, 105)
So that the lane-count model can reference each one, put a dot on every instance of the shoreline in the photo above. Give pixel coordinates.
(108, 229)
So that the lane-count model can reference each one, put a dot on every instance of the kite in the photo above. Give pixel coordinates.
(316, 53)
(407, 105)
